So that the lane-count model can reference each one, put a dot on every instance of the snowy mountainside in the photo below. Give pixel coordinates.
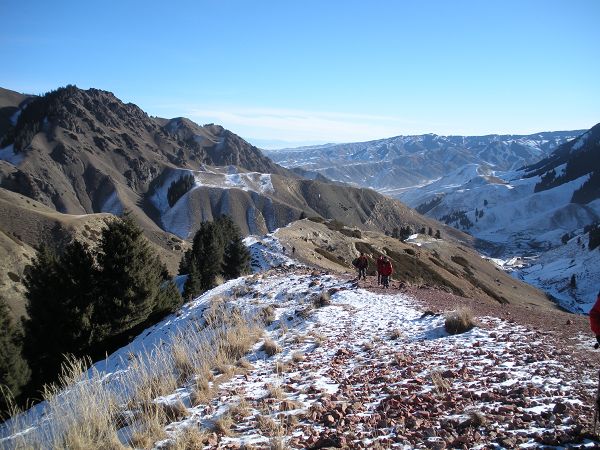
(403, 161)
(350, 368)
(524, 216)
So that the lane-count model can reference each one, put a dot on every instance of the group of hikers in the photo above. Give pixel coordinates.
(384, 269)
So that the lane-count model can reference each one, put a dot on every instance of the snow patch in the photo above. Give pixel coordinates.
(113, 205)
(8, 154)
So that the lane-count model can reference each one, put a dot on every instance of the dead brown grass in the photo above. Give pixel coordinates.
(223, 425)
(270, 347)
(460, 321)
(440, 384)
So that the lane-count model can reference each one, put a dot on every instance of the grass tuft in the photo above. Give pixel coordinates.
(460, 321)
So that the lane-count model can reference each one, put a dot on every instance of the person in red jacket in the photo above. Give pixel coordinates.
(386, 272)
(379, 265)
(595, 320)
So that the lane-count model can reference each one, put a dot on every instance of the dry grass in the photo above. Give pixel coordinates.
(190, 438)
(298, 357)
(84, 411)
(439, 382)
(270, 347)
(223, 424)
(324, 299)
(396, 334)
(274, 391)
(460, 321)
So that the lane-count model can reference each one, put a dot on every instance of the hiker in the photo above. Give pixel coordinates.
(386, 272)
(379, 265)
(293, 250)
(595, 320)
(361, 263)
(284, 250)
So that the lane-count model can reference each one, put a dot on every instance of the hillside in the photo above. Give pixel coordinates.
(299, 358)
(420, 261)
(530, 214)
(393, 164)
(85, 151)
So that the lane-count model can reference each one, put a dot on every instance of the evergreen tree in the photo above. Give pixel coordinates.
(430, 231)
(205, 261)
(132, 279)
(236, 261)
(77, 277)
(14, 372)
(573, 282)
(437, 234)
(405, 232)
(44, 344)
(192, 285)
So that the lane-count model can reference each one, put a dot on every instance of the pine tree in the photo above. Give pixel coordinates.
(61, 291)
(131, 278)
(43, 345)
(192, 285)
(14, 371)
(236, 260)
(437, 234)
(205, 261)
(77, 277)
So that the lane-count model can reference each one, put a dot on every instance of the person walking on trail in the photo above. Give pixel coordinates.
(386, 272)
(379, 265)
(595, 320)
(361, 263)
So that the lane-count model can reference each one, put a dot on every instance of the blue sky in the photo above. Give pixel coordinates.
(320, 71)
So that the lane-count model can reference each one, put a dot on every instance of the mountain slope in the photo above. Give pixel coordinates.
(391, 164)
(364, 369)
(74, 149)
(530, 213)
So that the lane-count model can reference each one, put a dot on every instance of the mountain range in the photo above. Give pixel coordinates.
(531, 201)
(79, 153)
(393, 164)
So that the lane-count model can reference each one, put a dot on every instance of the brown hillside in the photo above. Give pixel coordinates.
(439, 263)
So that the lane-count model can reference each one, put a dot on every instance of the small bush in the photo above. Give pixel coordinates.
(267, 425)
(267, 314)
(460, 321)
(440, 383)
(223, 424)
(322, 300)
(270, 347)
(298, 357)
(396, 334)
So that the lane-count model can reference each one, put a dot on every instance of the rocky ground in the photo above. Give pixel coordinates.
(376, 369)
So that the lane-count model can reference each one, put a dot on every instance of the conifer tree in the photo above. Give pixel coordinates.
(131, 278)
(236, 260)
(14, 371)
(192, 285)
(43, 345)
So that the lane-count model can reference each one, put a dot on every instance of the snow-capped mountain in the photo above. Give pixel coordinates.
(544, 211)
(395, 163)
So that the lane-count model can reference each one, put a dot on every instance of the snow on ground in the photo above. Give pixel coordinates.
(113, 205)
(177, 219)
(8, 154)
(371, 369)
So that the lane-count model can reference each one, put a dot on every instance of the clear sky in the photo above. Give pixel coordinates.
(309, 71)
